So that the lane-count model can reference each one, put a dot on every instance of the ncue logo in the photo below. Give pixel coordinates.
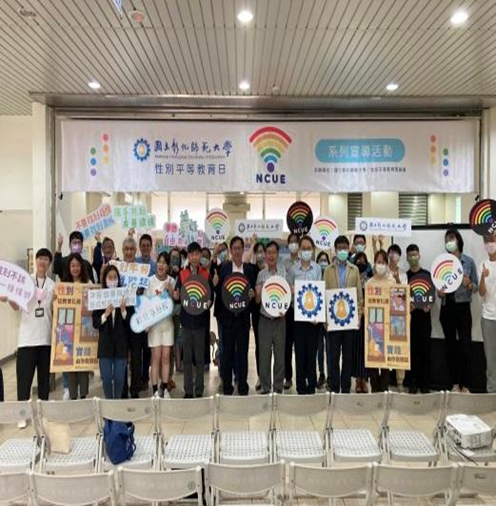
(270, 142)
(195, 290)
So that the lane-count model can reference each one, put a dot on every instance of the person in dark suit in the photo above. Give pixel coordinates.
(236, 327)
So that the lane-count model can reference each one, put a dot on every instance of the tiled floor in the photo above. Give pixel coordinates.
(424, 423)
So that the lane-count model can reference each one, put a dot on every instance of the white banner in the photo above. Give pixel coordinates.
(339, 156)
(100, 299)
(383, 226)
(263, 229)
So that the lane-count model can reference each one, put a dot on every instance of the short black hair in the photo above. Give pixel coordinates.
(307, 238)
(359, 236)
(224, 243)
(75, 234)
(109, 268)
(165, 256)
(381, 253)
(108, 239)
(184, 252)
(323, 254)
(291, 236)
(341, 239)
(412, 247)
(458, 236)
(193, 247)
(44, 252)
(270, 244)
(145, 237)
(360, 256)
(206, 250)
(394, 248)
(236, 238)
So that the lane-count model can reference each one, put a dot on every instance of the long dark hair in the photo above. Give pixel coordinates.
(110, 268)
(66, 275)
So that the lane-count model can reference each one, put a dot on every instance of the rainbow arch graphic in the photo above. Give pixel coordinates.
(481, 213)
(325, 228)
(195, 290)
(236, 285)
(299, 213)
(419, 287)
(217, 219)
(444, 270)
(270, 142)
(275, 291)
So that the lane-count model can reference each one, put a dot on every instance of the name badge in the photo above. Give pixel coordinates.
(39, 312)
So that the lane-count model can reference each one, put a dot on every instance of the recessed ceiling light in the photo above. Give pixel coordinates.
(392, 87)
(137, 16)
(459, 17)
(245, 16)
(26, 13)
(244, 85)
(94, 85)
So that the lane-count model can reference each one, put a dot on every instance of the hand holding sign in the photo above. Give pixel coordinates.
(16, 284)
(236, 293)
(447, 273)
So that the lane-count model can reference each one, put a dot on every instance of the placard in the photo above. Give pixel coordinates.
(276, 296)
(132, 273)
(263, 229)
(387, 326)
(342, 309)
(135, 217)
(383, 226)
(483, 217)
(101, 299)
(422, 290)
(299, 218)
(309, 305)
(195, 295)
(151, 309)
(217, 225)
(16, 284)
(324, 231)
(447, 272)
(95, 222)
(235, 293)
(74, 340)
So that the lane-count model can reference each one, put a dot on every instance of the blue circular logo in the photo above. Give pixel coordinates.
(342, 308)
(141, 150)
(309, 300)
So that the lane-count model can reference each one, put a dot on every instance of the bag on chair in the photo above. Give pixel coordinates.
(119, 441)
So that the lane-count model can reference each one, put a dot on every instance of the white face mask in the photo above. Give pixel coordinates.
(359, 248)
(293, 247)
(380, 269)
(451, 246)
(490, 247)
(306, 255)
(112, 283)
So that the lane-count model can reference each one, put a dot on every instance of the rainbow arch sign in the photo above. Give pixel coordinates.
(276, 296)
(447, 273)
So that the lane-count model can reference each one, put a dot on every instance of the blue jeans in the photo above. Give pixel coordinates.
(65, 380)
(112, 371)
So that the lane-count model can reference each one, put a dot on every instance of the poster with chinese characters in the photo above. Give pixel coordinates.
(133, 273)
(151, 309)
(384, 226)
(387, 326)
(16, 284)
(135, 217)
(74, 340)
(101, 299)
(95, 222)
(263, 229)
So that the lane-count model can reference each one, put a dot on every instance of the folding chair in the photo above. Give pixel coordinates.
(179, 451)
(85, 450)
(18, 454)
(158, 486)
(130, 410)
(413, 445)
(353, 444)
(14, 487)
(473, 404)
(416, 482)
(301, 445)
(330, 483)
(478, 479)
(254, 482)
(243, 446)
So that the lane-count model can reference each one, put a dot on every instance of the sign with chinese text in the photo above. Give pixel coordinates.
(132, 273)
(95, 222)
(16, 284)
(276, 296)
(309, 303)
(387, 326)
(74, 340)
(263, 229)
(150, 310)
(135, 217)
(383, 226)
(342, 309)
(423, 156)
(101, 299)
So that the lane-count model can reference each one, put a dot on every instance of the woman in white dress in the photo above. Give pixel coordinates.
(161, 335)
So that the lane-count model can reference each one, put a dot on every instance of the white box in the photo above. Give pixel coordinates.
(469, 431)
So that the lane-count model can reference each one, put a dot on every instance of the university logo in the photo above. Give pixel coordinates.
(141, 150)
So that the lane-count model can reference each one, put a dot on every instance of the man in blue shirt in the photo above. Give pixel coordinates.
(145, 246)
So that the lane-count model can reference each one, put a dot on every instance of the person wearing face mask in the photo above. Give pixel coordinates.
(35, 333)
(103, 253)
(76, 246)
(175, 352)
(456, 315)
(358, 370)
(205, 262)
(288, 262)
(487, 291)
(341, 274)
(323, 261)
(420, 330)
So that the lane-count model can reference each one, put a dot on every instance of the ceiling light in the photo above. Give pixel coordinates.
(26, 13)
(137, 16)
(244, 85)
(459, 17)
(392, 87)
(245, 16)
(94, 85)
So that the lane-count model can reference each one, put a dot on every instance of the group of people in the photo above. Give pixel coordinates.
(338, 355)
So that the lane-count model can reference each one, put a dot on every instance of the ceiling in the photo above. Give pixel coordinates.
(307, 49)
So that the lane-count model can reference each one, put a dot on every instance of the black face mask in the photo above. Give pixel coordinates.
(362, 267)
(175, 261)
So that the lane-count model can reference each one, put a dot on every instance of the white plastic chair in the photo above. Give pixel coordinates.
(243, 446)
(241, 482)
(416, 481)
(414, 445)
(85, 450)
(14, 488)
(18, 454)
(130, 410)
(470, 404)
(77, 490)
(181, 451)
(330, 483)
(301, 445)
(478, 479)
(158, 486)
(355, 445)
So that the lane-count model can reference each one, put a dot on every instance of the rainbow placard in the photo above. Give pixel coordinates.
(447, 273)
(299, 218)
(270, 142)
(217, 225)
(235, 293)
(195, 295)
(422, 290)
(276, 296)
(483, 217)
(324, 231)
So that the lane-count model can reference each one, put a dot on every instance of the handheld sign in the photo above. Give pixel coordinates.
(483, 217)
(16, 284)
(323, 232)
(195, 295)
(299, 218)
(310, 301)
(276, 296)
(422, 290)
(342, 309)
(235, 293)
(447, 273)
(151, 310)
(100, 299)
(217, 225)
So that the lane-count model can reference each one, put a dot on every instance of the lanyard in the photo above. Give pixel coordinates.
(42, 286)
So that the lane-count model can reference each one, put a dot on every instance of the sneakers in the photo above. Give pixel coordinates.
(66, 395)
(288, 384)
(465, 390)
(166, 394)
(456, 388)
(22, 424)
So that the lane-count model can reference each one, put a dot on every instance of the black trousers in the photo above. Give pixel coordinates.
(288, 362)
(137, 345)
(147, 357)
(379, 380)
(29, 359)
(306, 341)
(420, 348)
(456, 319)
(235, 338)
(255, 319)
(340, 347)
